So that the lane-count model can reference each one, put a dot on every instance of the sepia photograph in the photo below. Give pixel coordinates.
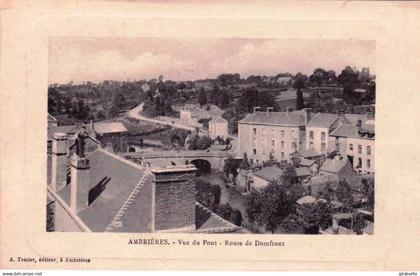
(211, 135)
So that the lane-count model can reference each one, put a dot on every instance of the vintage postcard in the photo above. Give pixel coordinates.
(252, 136)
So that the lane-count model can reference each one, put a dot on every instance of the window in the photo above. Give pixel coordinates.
(322, 136)
(254, 143)
(255, 151)
(273, 132)
(359, 148)
(311, 135)
(368, 163)
(369, 150)
(293, 145)
(282, 144)
(293, 134)
(282, 155)
(282, 133)
(263, 131)
(311, 145)
(254, 131)
(350, 147)
(273, 143)
(359, 164)
(323, 147)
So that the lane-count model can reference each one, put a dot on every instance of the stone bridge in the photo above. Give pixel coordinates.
(204, 160)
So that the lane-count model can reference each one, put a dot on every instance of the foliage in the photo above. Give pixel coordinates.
(202, 97)
(231, 214)
(359, 223)
(300, 81)
(252, 98)
(272, 204)
(199, 142)
(344, 193)
(315, 215)
(291, 224)
(231, 166)
(207, 194)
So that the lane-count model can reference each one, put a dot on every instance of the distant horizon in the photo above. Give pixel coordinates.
(80, 60)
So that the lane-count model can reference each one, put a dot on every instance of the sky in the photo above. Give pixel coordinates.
(98, 59)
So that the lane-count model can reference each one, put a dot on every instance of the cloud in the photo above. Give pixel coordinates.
(190, 59)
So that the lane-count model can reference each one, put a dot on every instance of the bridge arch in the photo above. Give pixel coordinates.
(202, 165)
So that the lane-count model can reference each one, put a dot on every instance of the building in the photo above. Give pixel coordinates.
(218, 127)
(262, 178)
(52, 121)
(102, 192)
(111, 134)
(339, 166)
(319, 128)
(262, 135)
(357, 142)
(192, 114)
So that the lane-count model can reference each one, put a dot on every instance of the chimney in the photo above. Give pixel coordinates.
(307, 113)
(92, 125)
(289, 109)
(269, 109)
(173, 199)
(80, 187)
(256, 108)
(59, 161)
(359, 125)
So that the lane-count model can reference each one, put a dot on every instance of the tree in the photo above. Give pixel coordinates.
(292, 224)
(359, 223)
(207, 194)
(300, 81)
(344, 194)
(349, 79)
(319, 76)
(272, 204)
(314, 216)
(231, 166)
(202, 97)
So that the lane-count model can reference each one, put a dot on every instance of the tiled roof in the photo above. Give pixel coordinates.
(303, 171)
(306, 200)
(111, 127)
(119, 176)
(220, 119)
(322, 120)
(269, 173)
(345, 130)
(306, 162)
(334, 165)
(275, 118)
(307, 153)
(208, 222)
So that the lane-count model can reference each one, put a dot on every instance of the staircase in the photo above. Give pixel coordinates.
(116, 222)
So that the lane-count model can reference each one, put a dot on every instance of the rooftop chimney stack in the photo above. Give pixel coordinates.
(370, 115)
(289, 110)
(174, 199)
(59, 161)
(80, 166)
(269, 109)
(307, 113)
(359, 125)
(256, 108)
(79, 183)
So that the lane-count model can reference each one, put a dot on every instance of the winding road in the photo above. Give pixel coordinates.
(135, 114)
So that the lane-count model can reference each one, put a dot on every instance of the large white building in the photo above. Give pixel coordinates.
(276, 135)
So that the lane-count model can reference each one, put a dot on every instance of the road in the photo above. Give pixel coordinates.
(135, 114)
